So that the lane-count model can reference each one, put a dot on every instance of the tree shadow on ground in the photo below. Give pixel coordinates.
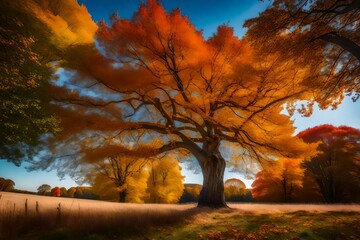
(188, 223)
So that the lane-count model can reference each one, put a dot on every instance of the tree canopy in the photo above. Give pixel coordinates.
(26, 52)
(118, 169)
(6, 184)
(321, 34)
(44, 189)
(165, 183)
(336, 169)
(158, 79)
(235, 189)
(55, 192)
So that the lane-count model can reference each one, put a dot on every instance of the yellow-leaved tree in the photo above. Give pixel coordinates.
(165, 182)
(235, 189)
(119, 174)
(106, 189)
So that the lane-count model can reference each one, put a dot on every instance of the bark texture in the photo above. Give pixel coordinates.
(212, 192)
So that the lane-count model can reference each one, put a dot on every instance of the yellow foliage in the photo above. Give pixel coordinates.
(160, 181)
(105, 188)
(70, 22)
(194, 190)
(136, 187)
(234, 187)
(165, 183)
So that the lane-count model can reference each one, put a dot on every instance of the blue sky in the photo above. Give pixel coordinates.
(206, 15)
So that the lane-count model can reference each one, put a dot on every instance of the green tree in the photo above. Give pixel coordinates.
(44, 189)
(25, 69)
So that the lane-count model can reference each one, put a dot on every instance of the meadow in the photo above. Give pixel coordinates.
(25, 216)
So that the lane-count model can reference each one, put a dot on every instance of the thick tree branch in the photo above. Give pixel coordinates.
(342, 42)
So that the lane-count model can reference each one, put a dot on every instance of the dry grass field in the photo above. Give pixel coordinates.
(25, 216)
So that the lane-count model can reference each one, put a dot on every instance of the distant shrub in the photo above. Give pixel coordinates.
(6, 184)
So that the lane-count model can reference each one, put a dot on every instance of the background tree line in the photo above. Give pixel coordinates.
(331, 176)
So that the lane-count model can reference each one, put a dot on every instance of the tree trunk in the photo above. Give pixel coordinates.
(212, 192)
(285, 190)
(122, 196)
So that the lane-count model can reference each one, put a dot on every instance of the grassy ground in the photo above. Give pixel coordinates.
(84, 219)
(232, 224)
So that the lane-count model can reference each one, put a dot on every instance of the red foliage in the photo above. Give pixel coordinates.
(56, 192)
(327, 131)
(335, 170)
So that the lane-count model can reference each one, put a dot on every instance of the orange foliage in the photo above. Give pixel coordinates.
(320, 35)
(56, 192)
(234, 189)
(70, 22)
(159, 54)
(158, 78)
(149, 32)
(280, 181)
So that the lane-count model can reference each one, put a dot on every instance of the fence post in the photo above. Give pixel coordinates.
(26, 207)
(37, 207)
(58, 213)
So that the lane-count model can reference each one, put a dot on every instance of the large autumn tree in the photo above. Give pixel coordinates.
(336, 170)
(157, 78)
(320, 34)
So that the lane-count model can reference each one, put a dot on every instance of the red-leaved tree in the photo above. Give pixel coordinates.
(336, 170)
